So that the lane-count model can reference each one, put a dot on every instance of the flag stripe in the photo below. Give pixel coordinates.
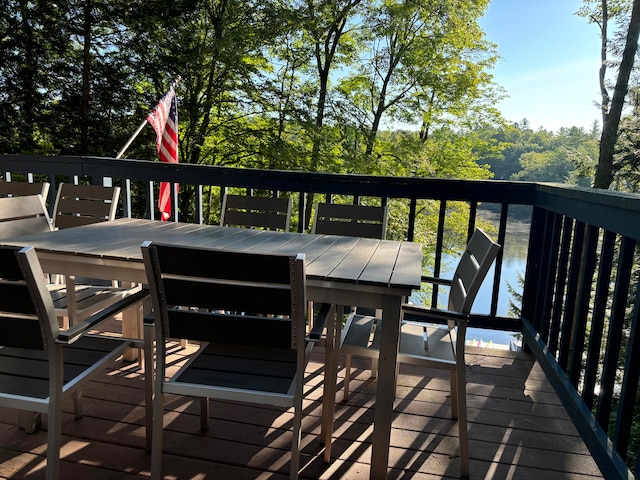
(164, 120)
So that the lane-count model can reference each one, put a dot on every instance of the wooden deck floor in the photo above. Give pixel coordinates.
(518, 430)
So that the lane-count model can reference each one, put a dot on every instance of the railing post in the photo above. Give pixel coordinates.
(532, 278)
(302, 219)
(411, 229)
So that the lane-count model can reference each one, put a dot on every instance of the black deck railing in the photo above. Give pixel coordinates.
(579, 313)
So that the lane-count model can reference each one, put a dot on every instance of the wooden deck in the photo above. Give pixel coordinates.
(517, 426)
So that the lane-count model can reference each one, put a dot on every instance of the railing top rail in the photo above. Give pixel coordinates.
(602, 208)
(497, 191)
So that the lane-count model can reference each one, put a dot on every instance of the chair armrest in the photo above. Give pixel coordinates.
(74, 333)
(320, 322)
(418, 313)
(435, 280)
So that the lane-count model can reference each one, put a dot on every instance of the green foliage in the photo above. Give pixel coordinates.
(627, 156)
(450, 154)
(356, 86)
(568, 156)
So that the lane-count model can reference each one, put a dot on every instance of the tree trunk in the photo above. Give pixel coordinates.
(605, 168)
(86, 69)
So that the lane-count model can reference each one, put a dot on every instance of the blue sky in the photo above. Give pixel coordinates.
(550, 61)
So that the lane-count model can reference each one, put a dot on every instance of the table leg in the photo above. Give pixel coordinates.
(332, 350)
(386, 388)
(132, 327)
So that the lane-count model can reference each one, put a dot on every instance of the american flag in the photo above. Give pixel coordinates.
(164, 120)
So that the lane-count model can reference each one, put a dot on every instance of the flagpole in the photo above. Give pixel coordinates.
(144, 122)
(133, 137)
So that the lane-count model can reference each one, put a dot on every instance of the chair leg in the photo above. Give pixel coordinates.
(295, 443)
(53, 442)
(54, 413)
(347, 376)
(374, 367)
(455, 404)
(158, 408)
(156, 445)
(463, 433)
(29, 421)
(204, 414)
(148, 383)
(77, 404)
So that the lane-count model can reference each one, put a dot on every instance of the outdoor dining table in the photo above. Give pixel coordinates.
(339, 271)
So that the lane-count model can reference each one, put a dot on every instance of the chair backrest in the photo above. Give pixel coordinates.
(472, 268)
(23, 215)
(20, 189)
(228, 297)
(350, 220)
(78, 205)
(256, 212)
(27, 315)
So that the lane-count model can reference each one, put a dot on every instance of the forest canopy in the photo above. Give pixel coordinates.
(353, 86)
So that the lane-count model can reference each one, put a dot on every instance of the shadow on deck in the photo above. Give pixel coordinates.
(517, 425)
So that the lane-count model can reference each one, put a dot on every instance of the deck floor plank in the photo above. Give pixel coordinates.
(517, 427)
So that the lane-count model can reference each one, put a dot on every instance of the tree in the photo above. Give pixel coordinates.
(325, 22)
(218, 48)
(549, 166)
(423, 61)
(33, 37)
(627, 157)
(612, 106)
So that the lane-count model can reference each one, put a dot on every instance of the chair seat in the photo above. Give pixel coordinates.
(439, 344)
(25, 372)
(362, 337)
(242, 367)
(89, 299)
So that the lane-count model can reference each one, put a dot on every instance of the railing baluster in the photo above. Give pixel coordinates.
(569, 303)
(614, 338)
(584, 292)
(411, 229)
(557, 311)
(624, 418)
(598, 317)
(439, 242)
(535, 269)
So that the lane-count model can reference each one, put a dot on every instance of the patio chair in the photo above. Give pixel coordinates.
(366, 221)
(247, 313)
(73, 302)
(84, 204)
(20, 189)
(41, 365)
(78, 205)
(350, 220)
(433, 337)
(22, 215)
(256, 212)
